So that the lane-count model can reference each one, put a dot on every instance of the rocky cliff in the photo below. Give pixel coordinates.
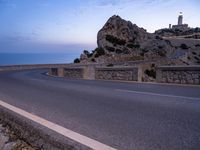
(121, 36)
(120, 40)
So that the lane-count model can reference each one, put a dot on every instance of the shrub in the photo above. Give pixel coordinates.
(197, 30)
(133, 45)
(76, 60)
(195, 57)
(136, 45)
(110, 49)
(110, 65)
(159, 38)
(115, 40)
(153, 65)
(150, 73)
(162, 53)
(184, 46)
(125, 51)
(132, 40)
(93, 60)
(119, 51)
(130, 45)
(160, 47)
(198, 45)
(168, 42)
(86, 52)
(90, 55)
(141, 53)
(194, 53)
(99, 52)
(136, 32)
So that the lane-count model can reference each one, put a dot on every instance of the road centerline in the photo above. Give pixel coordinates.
(156, 94)
(91, 143)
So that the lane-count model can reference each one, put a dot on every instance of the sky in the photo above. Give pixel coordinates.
(70, 26)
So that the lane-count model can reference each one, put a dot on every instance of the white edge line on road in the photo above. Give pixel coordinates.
(156, 94)
(59, 129)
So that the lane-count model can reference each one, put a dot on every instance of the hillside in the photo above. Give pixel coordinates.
(121, 41)
(179, 32)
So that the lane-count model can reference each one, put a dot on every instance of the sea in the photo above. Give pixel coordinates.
(36, 58)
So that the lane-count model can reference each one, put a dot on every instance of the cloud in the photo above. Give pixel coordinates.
(19, 37)
(110, 2)
(125, 2)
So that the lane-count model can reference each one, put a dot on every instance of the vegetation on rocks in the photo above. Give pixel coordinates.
(115, 40)
(77, 60)
(150, 73)
(99, 52)
(184, 46)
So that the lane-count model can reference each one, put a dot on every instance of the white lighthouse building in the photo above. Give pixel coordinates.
(180, 24)
(180, 19)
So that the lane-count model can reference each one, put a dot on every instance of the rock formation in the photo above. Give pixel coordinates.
(119, 35)
(120, 41)
(168, 32)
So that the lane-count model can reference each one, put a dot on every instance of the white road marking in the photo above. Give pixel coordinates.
(156, 94)
(59, 129)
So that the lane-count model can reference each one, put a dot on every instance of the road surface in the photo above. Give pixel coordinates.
(126, 116)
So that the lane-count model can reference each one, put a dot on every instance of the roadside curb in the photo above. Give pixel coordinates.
(36, 135)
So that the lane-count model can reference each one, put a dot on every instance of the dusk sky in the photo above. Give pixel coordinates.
(70, 26)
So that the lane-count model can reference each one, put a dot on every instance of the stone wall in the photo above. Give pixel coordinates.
(178, 74)
(74, 73)
(117, 73)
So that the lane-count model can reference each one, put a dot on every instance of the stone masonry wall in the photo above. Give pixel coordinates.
(114, 73)
(75, 73)
(180, 75)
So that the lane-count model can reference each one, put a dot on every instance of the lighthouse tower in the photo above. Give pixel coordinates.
(180, 19)
(180, 24)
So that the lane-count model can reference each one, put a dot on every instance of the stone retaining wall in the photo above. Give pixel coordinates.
(164, 74)
(75, 73)
(105, 73)
(178, 74)
(117, 73)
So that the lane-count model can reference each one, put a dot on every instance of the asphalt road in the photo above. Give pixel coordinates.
(126, 116)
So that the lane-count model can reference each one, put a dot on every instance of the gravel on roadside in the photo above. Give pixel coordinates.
(9, 141)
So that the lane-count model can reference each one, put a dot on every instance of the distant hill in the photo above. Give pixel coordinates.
(120, 41)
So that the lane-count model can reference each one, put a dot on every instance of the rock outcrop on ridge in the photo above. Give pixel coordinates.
(120, 41)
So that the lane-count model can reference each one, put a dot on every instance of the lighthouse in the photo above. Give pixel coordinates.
(180, 24)
(180, 19)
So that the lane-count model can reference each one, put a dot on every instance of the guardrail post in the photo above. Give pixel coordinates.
(89, 72)
(158, 75)
(61, 72)
(140, 73)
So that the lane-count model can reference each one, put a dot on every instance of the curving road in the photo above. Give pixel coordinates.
(127, 116)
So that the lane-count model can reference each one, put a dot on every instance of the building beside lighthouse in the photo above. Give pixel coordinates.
(180, 24)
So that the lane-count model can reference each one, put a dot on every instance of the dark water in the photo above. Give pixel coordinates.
(35, 58)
